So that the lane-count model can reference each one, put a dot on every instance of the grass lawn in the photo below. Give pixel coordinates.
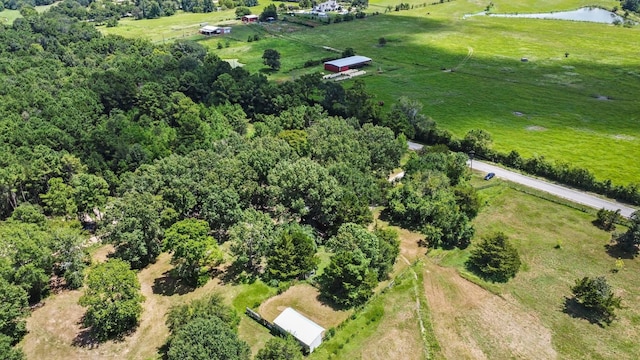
(536, 296)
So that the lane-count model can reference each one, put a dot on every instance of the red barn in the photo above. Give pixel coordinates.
(250, 18)
(347, 63)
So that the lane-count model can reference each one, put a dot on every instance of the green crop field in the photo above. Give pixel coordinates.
(579, 108)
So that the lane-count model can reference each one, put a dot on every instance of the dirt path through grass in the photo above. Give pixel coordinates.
(472, 323)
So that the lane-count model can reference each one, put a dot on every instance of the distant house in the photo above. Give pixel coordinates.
(347, 63)
(214, 30)
(308, 333)
(249, 19)
(331, 5)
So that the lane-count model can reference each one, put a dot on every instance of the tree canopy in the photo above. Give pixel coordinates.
(113, 300)
(207, 339)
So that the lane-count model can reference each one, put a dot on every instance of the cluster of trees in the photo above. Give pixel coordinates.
(100, 11)
(32, 252)
(151, 142)
(436, 199)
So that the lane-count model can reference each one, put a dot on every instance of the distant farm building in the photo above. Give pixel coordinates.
(331, 5)
(344, 64)
(308, 333)
(250, 18)
(214, 30)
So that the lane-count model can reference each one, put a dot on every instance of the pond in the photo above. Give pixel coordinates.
(584, 14)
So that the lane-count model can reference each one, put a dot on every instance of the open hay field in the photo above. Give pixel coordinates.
(536, 298)
(578, 108)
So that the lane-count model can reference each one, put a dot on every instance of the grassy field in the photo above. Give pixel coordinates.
(535, 299)
(579, 109)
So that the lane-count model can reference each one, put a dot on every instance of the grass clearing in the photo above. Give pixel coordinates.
(535, 298)
(385, 328)
(304, 298)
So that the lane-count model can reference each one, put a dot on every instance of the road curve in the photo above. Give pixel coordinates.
(564, 192)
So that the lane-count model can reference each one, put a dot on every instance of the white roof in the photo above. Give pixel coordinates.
(299, 326)
(351, 60)
(209, 28)
(250, 16)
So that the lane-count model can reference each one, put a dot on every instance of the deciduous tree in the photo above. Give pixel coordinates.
(113, 300)
(207, 339)
(278, 348)
(271, 58)
(194, 251)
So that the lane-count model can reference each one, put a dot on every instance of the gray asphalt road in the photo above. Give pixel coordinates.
(557, 190)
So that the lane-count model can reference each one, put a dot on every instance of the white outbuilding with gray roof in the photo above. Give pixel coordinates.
(307, 332)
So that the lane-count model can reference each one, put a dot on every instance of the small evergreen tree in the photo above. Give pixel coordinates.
(495, 258)
(292, 254)
(596, 296)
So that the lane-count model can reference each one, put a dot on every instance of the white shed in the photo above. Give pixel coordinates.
(308, 333)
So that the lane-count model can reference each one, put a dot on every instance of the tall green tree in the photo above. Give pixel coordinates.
(90, 191)
(132, 225)
(348, 280)
(251, 238)
(194, 251)
(630, 240)
(271, 58)
(207, 339)
(113, 300)
(210, 306)
(306, 190)
(495, 258)
(292, 254)
(59, 199)
(14, 309)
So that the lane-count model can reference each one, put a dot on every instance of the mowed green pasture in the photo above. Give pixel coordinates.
(536, 227)
(579, 109)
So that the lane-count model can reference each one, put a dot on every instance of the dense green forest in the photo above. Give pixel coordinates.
(167, 148)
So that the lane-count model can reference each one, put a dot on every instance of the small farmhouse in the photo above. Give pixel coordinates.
(308, 333)
(347, 63)
(331, 5)
(250, 18)
(214, 30)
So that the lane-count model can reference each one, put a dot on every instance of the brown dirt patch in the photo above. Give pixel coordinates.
(304, 299)
(472, 323)
(54, 327)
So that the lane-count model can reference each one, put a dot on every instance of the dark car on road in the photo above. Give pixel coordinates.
(489, 176)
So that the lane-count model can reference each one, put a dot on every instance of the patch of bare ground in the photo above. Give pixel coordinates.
(472, 323)
(55, 331)
(304, 299)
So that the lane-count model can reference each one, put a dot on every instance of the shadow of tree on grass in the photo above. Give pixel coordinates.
(169, 285)
(576, 310)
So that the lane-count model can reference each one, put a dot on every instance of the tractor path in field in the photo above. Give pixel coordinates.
(577, 196)
(472, 323)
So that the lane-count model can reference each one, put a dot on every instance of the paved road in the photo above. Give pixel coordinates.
(579, 197)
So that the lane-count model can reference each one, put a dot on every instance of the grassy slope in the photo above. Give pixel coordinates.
(536, 226)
